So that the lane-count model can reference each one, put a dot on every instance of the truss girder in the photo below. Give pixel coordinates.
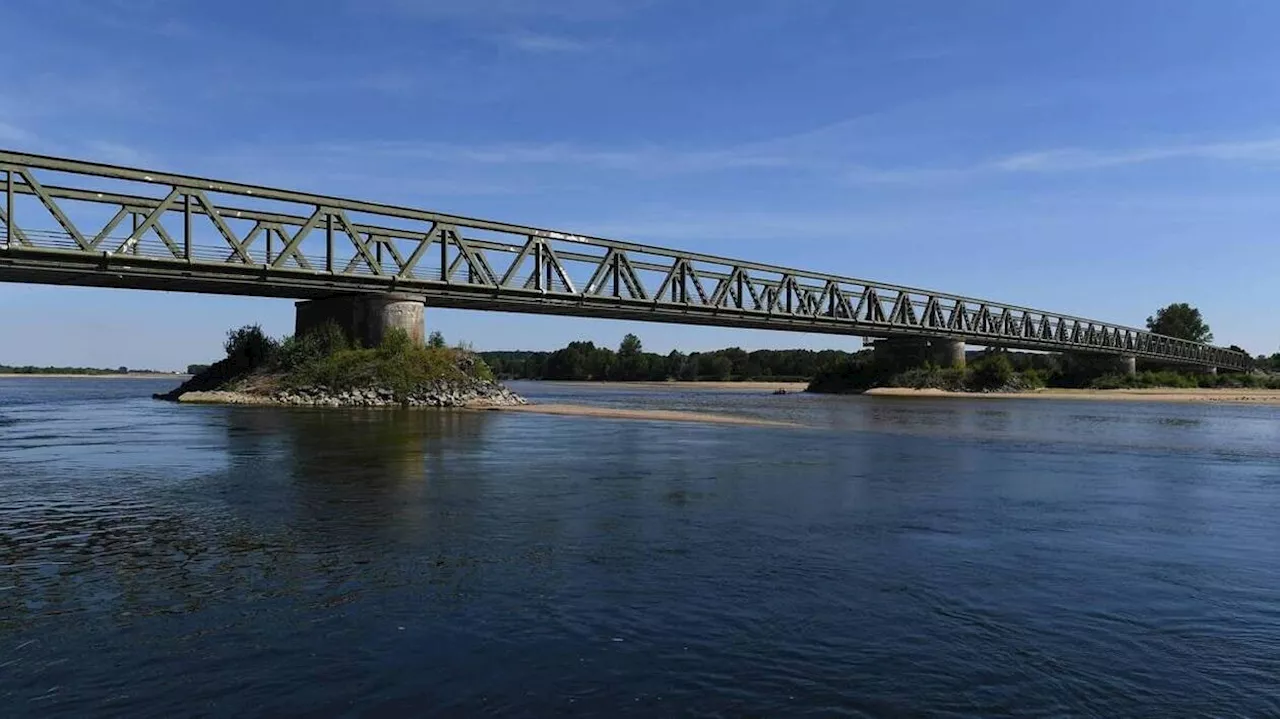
(52, 207)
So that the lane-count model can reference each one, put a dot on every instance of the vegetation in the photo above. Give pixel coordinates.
(585, 361)
(31, 369)
(992, 371)
(324, 357)
(397, 364)
(1180, 320)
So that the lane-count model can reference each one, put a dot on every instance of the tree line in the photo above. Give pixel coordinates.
(586, 361)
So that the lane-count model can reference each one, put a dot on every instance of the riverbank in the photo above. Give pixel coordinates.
(1230, 396)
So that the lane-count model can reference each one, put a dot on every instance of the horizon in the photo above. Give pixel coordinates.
(1074, 159)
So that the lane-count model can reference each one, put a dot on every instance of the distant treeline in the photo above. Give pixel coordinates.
(586, 361)
(30, 369)
(841, 370)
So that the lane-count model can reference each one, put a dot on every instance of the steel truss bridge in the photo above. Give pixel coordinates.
(80, 223)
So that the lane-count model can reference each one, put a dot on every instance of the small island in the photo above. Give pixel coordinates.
(322, 368)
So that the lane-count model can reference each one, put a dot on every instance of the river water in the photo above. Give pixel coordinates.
(961, 558)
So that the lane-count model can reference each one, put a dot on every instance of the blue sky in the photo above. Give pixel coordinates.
(1096, 158)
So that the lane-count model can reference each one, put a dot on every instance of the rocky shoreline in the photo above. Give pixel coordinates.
(442, 394)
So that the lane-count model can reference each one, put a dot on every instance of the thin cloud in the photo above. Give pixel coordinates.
(1067, 160)
(538, 43)
(652, 159)
(497, 11)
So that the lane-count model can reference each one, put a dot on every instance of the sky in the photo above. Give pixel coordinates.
(1101, 158)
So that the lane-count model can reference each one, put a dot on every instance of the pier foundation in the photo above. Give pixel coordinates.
(909, 352)
(365, 319)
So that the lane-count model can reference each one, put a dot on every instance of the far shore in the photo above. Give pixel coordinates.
(1217, 395)
(108, 375)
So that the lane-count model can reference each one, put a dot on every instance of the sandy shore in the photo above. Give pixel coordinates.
(739, 386)
(662, 415)
(1233, 396)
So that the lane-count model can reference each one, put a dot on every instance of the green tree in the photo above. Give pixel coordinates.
(249, 347)
(1180, 320)
(436, 340)
(630, 346)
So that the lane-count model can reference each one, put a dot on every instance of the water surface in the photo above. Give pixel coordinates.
(923, 557)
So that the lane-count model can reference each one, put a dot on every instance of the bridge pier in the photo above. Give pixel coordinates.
(908, 352)
(1100, 364)
(365, 319)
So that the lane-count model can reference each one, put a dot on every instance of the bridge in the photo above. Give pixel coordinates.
(370, 266)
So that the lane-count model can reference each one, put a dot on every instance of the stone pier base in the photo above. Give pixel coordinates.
(1102, 364)
(365, 319)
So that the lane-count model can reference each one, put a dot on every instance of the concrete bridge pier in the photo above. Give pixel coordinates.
(365, 318)
(908, 352)
(948, 353)
(1100, 364)
(1127, 365)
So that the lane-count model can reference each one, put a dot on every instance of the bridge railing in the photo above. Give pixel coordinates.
(212, 235)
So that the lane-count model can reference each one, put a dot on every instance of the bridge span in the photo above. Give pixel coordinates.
(71, 222)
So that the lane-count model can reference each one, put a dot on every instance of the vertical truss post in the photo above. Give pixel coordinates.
(186, 226)
(377, 248)
(8, 207)
(444, 255)
(537, 267)
(270, 245)
(617, 275)
(137, 245)
(328, 236)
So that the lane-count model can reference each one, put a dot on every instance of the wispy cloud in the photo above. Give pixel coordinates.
(541, 43)
(117, 153)
(499, 11)
(1066, 160)
(1074, 159)
(654, 159)
(14, 135)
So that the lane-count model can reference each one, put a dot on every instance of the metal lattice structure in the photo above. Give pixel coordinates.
(89, 224)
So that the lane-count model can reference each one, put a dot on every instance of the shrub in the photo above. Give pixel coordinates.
(249, 348)
(320, 342)
(397, 364)
(991, 372)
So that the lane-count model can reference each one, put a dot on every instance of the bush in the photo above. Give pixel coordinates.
(301, 350)
(991, 372)
(249, 348)
(397, 365)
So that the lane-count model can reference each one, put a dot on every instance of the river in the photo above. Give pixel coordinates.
(886, 557)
